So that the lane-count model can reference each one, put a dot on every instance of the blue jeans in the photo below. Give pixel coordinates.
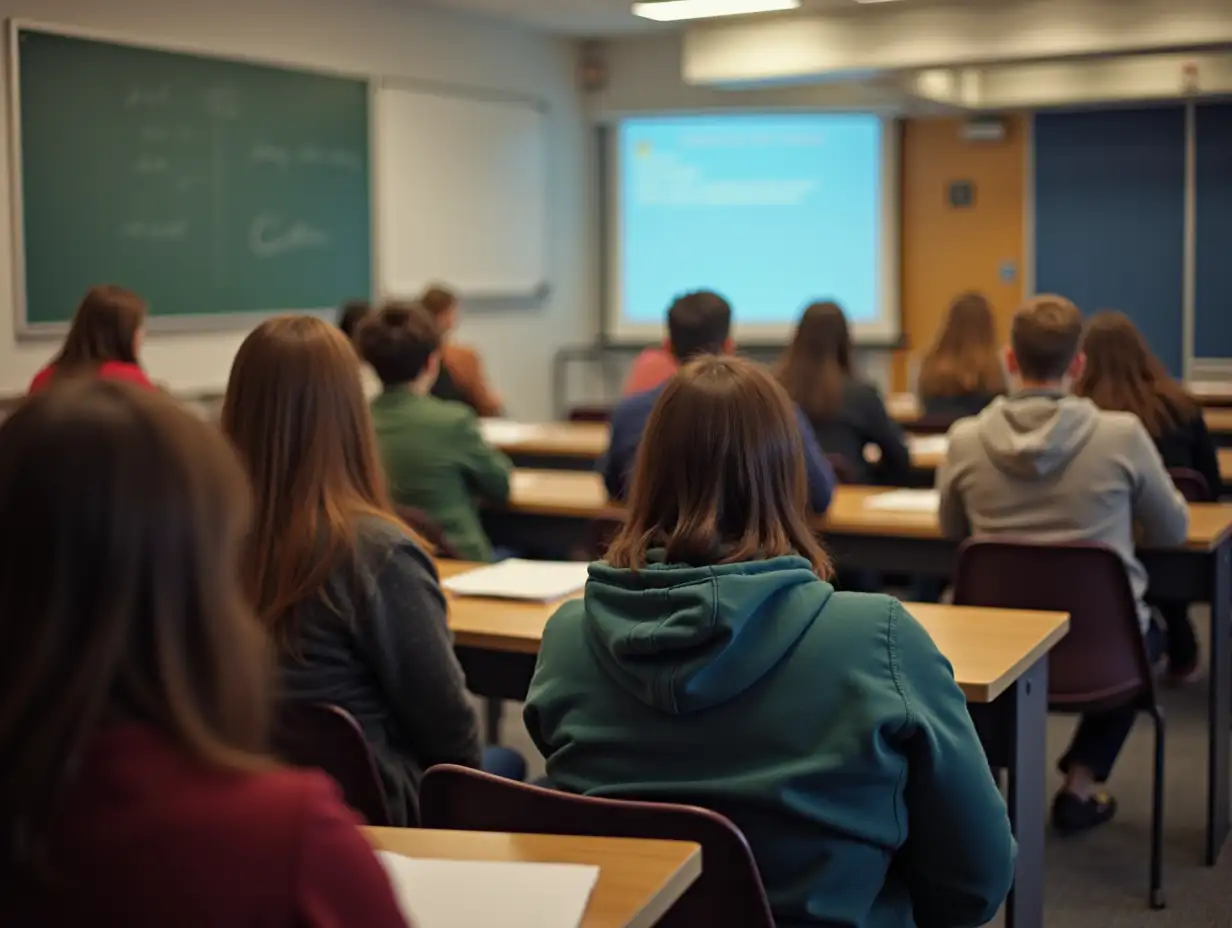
(504, 762)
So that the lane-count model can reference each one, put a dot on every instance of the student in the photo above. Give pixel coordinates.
(344, 588)
(710, 663)
(962, 372)
(136, 788)
(846, 413)
(1050, 467)
(1122, 374)
(462, 378)
(653, 367)
(699, 324)
(103, 341)
(434, 454)
(349, 320)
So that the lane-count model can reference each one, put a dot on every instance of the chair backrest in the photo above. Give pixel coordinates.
(328, 738)
(932, 423)
(1103, 661)
(590, 414)
(843, 471)
(729, 891)
(1193, 485)
(428, 528)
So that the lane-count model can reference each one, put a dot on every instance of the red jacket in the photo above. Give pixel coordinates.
(147, 837)
(112, 370)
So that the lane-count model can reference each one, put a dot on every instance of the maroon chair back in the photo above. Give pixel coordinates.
(329, 739)
(423, 524)
(729, 891)
(1103, 661)
(843, 471)
(590, 414)
(1193, 485)
(932, 424)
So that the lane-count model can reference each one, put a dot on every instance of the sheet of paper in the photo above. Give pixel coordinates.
(905, 501)
(537, 581)
(505, 431)
(1210, 387)
(466, 894)
(929, 444)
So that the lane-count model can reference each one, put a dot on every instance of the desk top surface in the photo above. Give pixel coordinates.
(639, 880)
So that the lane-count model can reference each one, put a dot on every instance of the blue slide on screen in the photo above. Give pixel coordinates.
(772, 211)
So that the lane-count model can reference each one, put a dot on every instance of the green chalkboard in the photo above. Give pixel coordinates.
(211, 187)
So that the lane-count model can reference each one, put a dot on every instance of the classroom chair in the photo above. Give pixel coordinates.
(328, 738)
(1103, 662)
(728, 892)
(844, 472)
(590, 414)
(1193, 485)
(934, 424)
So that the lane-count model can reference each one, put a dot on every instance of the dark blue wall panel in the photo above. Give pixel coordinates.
(1110, 216)
(1213, 291)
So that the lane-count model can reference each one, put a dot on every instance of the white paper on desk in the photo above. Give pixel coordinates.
(467, 894)
(537, 581)
(905, 501)
(929, 444)
(505, 431)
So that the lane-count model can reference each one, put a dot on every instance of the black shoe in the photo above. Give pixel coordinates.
(1072, 815)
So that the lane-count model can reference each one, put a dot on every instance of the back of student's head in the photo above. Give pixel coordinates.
(1045, 338)
(817, 363)
(105, 328)
(964, 358)
(1121, 373)
(295, 411)
(119, 594)
(398, 342)
(441, 304)
(353, 313)
(699, 323)
(720, 473)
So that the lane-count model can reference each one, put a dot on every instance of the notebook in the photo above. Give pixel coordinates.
(905, 501)
(929, 444)
(505, 431)
(536, 581)
(465, 894)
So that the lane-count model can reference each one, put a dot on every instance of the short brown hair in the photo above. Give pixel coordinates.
(698, 323)
(720, 476)
(1045, 336)
(398, 342)
(438, 300)
(104, 329)
(120, 598)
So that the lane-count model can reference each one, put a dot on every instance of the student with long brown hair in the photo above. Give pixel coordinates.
(135, 788)
(1123, 375)
(461, 377)
(846, 412)
(344, 587)
(962, 372)
(103, 341)
(711, 663)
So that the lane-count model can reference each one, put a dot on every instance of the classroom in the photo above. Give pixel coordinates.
(616, 463)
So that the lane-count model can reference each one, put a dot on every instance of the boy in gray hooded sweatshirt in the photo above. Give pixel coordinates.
(1050, 467)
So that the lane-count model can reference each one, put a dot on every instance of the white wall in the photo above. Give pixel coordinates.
(379, 37)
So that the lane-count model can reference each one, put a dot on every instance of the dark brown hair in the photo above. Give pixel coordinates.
(1122, 374)
(817, 363)
(398, 342)
(438, 300)
(119, 595)
(1045, 336)
(104, 329)
(698, 323)
(295, 411)
(353, 313)
(720, 476)
(964, 359)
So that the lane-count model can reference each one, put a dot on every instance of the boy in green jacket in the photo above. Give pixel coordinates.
(435, 457)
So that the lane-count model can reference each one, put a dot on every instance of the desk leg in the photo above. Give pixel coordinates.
(1219, 712)
(1026, 719)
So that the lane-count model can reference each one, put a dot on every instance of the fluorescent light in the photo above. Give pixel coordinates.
(671, 10)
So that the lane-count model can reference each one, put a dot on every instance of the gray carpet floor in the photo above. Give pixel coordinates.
(1099, 880)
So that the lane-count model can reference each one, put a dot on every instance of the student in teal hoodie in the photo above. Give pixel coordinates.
(711, 663)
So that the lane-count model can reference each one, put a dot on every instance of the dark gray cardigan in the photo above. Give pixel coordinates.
(376, 643)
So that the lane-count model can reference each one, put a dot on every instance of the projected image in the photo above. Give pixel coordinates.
(772, 211)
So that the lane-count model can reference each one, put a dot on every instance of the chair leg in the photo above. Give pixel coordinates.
(1158, 900)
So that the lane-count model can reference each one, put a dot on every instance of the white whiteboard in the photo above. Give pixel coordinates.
(462, 195)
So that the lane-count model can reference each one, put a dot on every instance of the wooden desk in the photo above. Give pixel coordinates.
(1225, 465)
(639, 880)
(1000, 663)
(555, 509)
(552, 445)
(1211, 393)
(1219, 423)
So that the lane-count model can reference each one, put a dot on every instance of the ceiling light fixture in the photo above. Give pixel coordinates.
(673, 10)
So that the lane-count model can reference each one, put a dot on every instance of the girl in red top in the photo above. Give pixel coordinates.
(104, 339)
(135, 788)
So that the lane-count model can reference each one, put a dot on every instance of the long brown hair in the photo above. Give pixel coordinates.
(104, 329)
(119, 595)
(817, 363)
(1122, 374)
(295, 411)
(964, 358)
(720, 476)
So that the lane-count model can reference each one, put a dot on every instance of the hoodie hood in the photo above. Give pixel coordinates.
(682, 639)
(1035, 434)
